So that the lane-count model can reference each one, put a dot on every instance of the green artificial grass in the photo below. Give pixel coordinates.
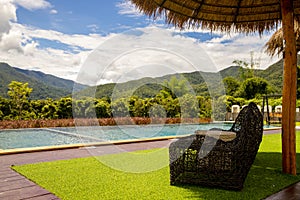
(145, 175)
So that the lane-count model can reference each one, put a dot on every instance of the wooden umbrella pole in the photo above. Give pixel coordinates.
(289, 89)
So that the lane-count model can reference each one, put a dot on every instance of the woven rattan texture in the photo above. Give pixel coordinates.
(211, 162)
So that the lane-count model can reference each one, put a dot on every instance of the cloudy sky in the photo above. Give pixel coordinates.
(111, 41)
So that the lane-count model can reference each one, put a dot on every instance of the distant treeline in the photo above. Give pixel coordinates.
(173, 101)
(164, 105)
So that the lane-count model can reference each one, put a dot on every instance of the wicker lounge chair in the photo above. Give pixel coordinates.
(212, 162)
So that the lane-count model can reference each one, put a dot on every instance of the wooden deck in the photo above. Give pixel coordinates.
(14, 186)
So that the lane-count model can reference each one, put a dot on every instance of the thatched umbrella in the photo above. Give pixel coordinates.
(275, 44)
(244, 16)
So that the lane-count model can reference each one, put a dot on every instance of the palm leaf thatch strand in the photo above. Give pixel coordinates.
(242, 15)
(275, 45)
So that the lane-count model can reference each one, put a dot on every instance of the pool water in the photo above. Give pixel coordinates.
(11, 139)
(26, 138)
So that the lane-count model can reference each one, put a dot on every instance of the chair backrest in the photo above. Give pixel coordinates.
(249, 124)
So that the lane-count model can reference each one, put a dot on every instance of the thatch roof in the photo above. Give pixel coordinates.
(275, 45)
(242, 15)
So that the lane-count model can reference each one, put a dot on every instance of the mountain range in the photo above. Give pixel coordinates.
(44, 85)
(49, 86)
(198, 81)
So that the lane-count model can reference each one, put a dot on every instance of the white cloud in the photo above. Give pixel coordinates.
(33, 4)
(53, 11)
(90, 41)
(154, 51)
(93, 27)
(52, 61)
(129, 9)
(30, 48)
(149, 51)
(11, 42)
(20, 48)
(7, 14)
(226, 49)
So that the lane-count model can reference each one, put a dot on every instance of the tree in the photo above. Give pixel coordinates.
(205, 107)
(49, 111)
(65, 108)
(1, 115)
(103, 109)
(245, 71)
(231, 85)
(5, 110)
(170, 105)
(19, 93)
(189, 106)
(252, 87)
(141, 108)
(131, 104)
(157, 111)
(176, 88)
(120, 108)
(230, 101)
(37, 106)
(84, 108)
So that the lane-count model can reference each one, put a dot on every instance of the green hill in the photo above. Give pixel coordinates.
(44, 85)
(149, 87)
(49, 86)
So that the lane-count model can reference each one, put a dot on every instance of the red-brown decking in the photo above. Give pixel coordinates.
(13, 186)
(289, 193)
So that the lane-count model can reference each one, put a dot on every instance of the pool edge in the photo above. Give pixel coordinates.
(82, 145)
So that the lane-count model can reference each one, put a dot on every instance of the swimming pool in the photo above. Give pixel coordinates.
(27, 138)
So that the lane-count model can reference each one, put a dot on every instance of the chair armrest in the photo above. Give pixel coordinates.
(225, 136)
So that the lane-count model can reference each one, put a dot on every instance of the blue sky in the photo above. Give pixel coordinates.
(80, 17)
(58, 37)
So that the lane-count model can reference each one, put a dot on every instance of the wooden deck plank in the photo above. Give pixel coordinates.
(4, 182)
(5, 169)
(291, 193)
(23, 193)
(13, 185)
(7, 174)
(12, 178)
(45, 197)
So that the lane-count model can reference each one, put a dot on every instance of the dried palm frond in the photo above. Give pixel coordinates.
(241, 15)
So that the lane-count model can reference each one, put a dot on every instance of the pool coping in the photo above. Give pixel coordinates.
(272, 129)
(86, 145)
(83, 145)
